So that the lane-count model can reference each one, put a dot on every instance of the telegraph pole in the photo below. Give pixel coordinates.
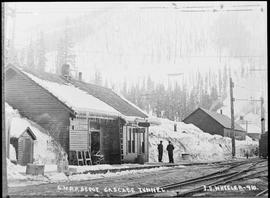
(262, 116)
(232, 118)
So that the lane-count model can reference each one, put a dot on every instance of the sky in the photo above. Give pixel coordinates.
(135, 29)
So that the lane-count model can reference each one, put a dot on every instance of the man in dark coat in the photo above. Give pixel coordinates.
(170, 148)
(160, 151)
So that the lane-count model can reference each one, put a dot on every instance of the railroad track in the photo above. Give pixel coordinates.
(221, 177)
(262, 193)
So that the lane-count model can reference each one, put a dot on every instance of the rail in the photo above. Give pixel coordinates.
(223, 177)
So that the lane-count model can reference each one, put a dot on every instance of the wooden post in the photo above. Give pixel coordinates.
(232, 118)
(262, 117)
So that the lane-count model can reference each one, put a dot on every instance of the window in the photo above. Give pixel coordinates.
(94, 126)
(94, 136)
(129, 140)
(142, 139)
(133, 140)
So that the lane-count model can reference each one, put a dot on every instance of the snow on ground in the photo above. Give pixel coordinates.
(17, 177)
(191, 140)
(12, 153)
(44, 149)
(89, 176)
(81, 169)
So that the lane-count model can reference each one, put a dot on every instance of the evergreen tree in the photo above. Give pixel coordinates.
(22, 55)
(98, 78)
(225, 82)
(65, 52)
(219, 82)
(41, 58)
(30, 61)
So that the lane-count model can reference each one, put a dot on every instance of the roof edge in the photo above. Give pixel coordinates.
(10, 66)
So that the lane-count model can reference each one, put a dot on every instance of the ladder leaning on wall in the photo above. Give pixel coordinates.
(83, 157)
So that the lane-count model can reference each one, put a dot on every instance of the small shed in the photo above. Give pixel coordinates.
(24, 146)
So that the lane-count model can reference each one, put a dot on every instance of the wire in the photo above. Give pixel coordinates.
(207, 8)
(253, 90)
(247, 100)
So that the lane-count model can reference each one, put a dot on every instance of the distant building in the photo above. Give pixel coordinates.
(251, 122)
(82, 117)
(214, 123)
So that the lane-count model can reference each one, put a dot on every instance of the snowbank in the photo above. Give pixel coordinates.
(45, 151)
(15, 171)
(12, 153)
(188, 139)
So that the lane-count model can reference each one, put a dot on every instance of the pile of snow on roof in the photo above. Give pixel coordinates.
(75, 98)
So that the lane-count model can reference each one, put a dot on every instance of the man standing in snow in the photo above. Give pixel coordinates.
(170, 148)
(160, 151)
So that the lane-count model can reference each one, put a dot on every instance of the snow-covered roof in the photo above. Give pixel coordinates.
(222, 119)
(75, 98)
(79, 96)
(113, 99)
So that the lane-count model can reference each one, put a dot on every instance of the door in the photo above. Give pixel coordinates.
(95, 141)
(27, 152)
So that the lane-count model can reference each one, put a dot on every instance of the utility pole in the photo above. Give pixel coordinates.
(232, 118)
(262, 116)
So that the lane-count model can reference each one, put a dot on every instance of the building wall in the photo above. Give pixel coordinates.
(111, 141)
(239, 135)
(109, 137)
(35, 103)
(204, 122)
(132, 156)
(255, 136)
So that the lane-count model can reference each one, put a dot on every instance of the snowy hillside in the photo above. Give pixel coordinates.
(45, 150)
(191, 140)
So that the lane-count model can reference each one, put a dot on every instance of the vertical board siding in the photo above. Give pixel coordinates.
(21, 147)
(205, 123)
(239, 135)
(34, 103)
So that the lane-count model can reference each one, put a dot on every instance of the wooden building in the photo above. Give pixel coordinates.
(214, 123)
(23, 142)
(83, 117)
